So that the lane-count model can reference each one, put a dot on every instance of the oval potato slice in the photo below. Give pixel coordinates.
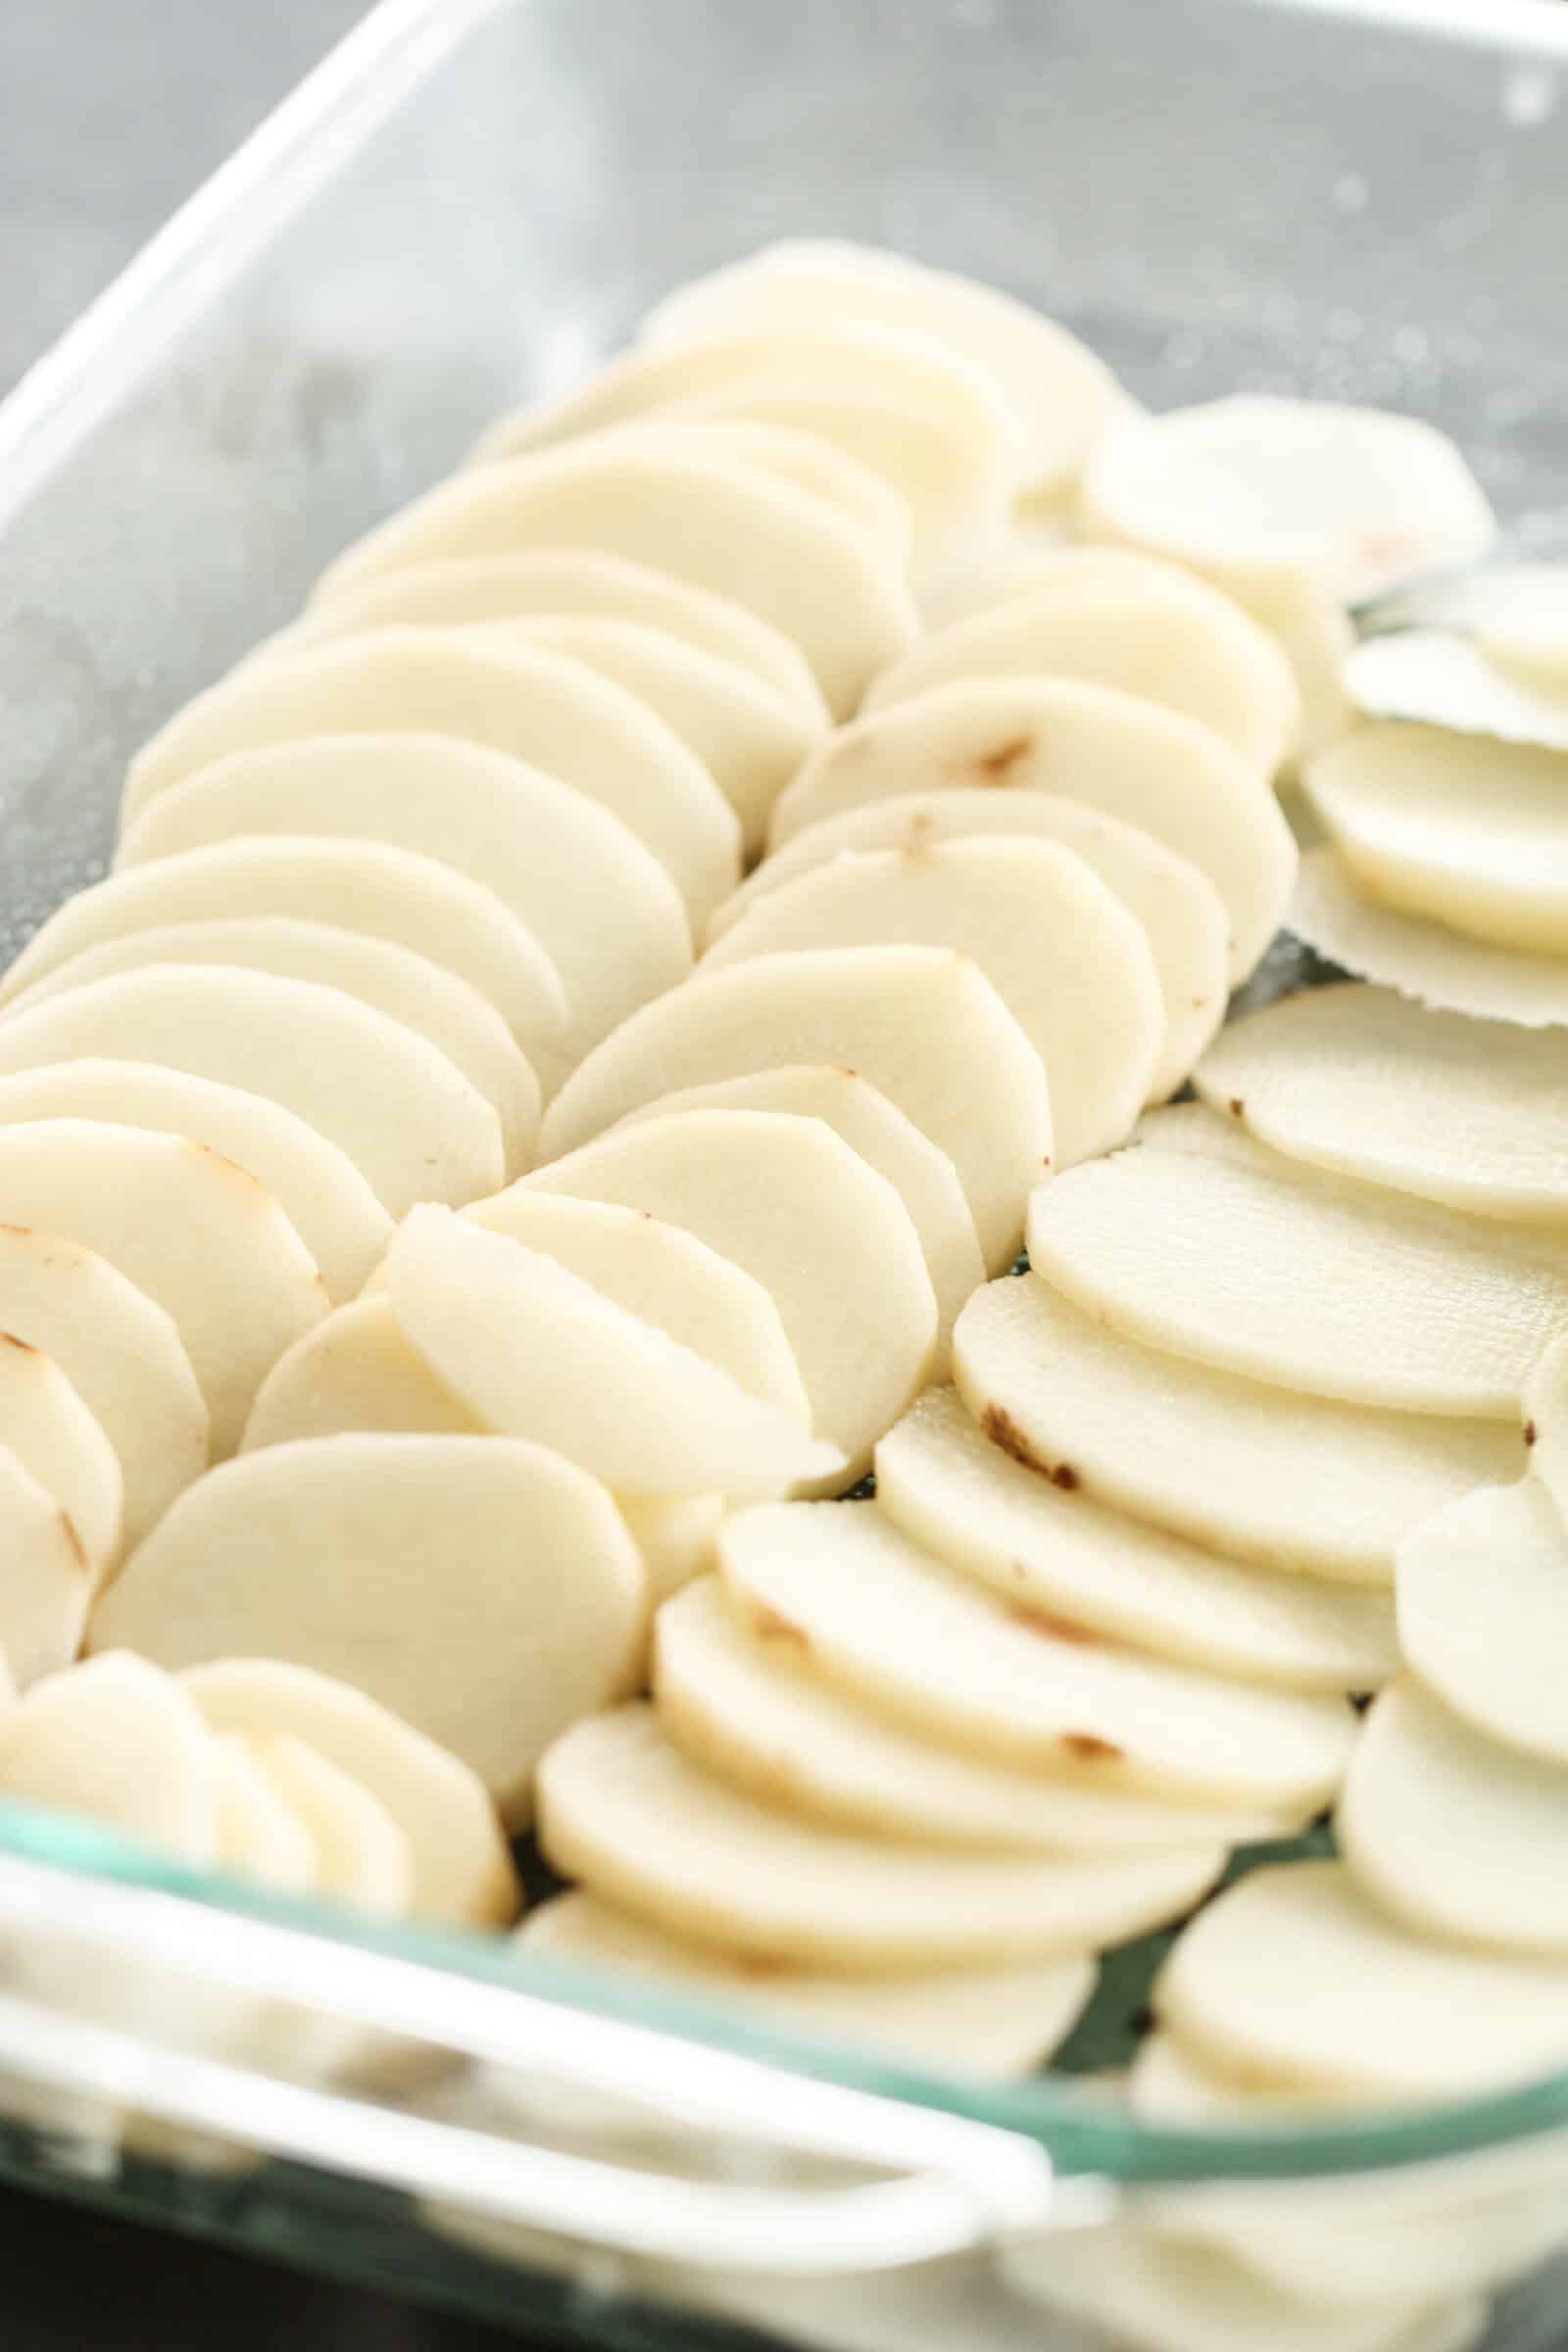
(45, 1579)
(45, 1423)
(121, 1744)
(361, 1856)
(320, 1554)
(1481, 1589)
(842, 484)
(1438, 678)
(676, 1535)
(258, 1837)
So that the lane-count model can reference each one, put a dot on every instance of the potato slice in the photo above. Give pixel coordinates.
(711, 521)
(194, 1232)
(921, 1024)
(984, 2021)
(1005, 1679)
(1070, 964)
(1200, 1242)
(320, 1554)
(360, 1855)
(676, 1535)
(843, 484)
(537, 706)
(1360, 1081)
(622, 1810)
(1546, 1403)
(961, 1496)
(45, 1423)
(1438, 678)
(792, 1205)
(408, 1119)
(45, 1581)
(1483, 1601)
(122, 1354)
(1112, 752)
(120, 1743)
(743, 1707)
(461, 1867)
(1286, 1481)
(259, 1835)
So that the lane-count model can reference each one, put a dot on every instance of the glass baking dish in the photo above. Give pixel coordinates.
(468, 204)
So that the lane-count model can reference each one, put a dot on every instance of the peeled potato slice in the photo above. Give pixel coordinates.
(408, 1119)
(676, 1535)
(320, 1554)
(1200, 1242)
(990, 2021)
(194, 1232)
(1545, 1403)
(1005, 1679)
(45, 1580)
(259, 1836)
(45, 1423)
(362, 1856)
(1288, 1481)
(1483, 1602)
(921, 1024)
(355, 1371)
(1070, 964)
(1440, 679)
(841, 483)
(623, 1810)
(958, 1493)
(120, 1743)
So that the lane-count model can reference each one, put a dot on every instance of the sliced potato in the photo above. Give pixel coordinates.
(1285, 1481)
(355, 1371)
(45, 1423)
(1545, 1403)
(320, 1554)
(676, 1535)
(259, 1836)
(1482, 1588)
(47, 1583)
(842, 484)
(1531, 642)
(120, 1743)
(1438, 678)
(360, 1855)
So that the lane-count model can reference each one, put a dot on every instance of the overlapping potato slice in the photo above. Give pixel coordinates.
(400, 1110)
(259, 1836)
(1482, 1588)
(320, 1554)
(45, 1582)
(1206, 1244)
(1069, 960)
(121, 1743)
(843, 484)
(622, 1810)
(45, 1423)
(1005, 1680)
(198, 1235)
(676, 1535)
(961, 1496)
(988, 2021)
(1437, 678)
(359, 1853)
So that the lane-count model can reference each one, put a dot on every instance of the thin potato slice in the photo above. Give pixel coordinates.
(258, 1837)
(121, 1742)
(45, 1423)
(1286, 1481)
(1481, 1589)
(959, 1494)
(843, 484)
(1072, 967)
(985, 2021)
(921, 1024)
(676, 1535)
(622, 1810)
(46, 1584)
(1004, 1680)
(198, 1235)
(1202, 1243)
(355, 1371)
(320, 1554)
(362, 1856)
(1437, 678)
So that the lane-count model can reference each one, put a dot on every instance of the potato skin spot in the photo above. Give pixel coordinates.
(1059, 1629)
(1530, 1433)
(1091, 1748)
(1236, 1107)
(993, 766)
(771, 1625)
(1003, 1430)
(22, 1346)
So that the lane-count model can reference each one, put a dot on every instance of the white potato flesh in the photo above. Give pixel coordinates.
(922, 1025)
(975, 1500)
(258, 1836)
(828, 1237)
(362, 1856)
(978, 2021)
(1532, 644)
(622, 1810)
(197, 1234)
(711, 522)
(1069, 960)
(355, 1371)
(676, 1535)
(1454, 1834)
(460, 825)
(1286, 1481)
(122, 1743)
(1360, 1081)
(1545, 1403)
(400, 1110)
(58, 1440)
(462, 1868)
(319, 1190)
(1437, 678)
(124, 1355)
(447, 1012)
(320, 1554)
(1207, 1245)
(924, 1178)
(1111, 753)
(1292, 1979)
(743, 1707)
(1003, 1680)
(533, 704)
(1482, 1588)
(1466, 833)
(47, 1583)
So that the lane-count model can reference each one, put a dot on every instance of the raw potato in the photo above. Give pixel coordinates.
(676, 1535)
(1482, 1588)
(1440, 679)
(401, 1111)
(792, 1205)
(194, 1232)
(45, 1581)
(1467, 833)
(1114, 753)
(258, 1836)
(1200, 1242)
(1546, 1403)
(124, 1355)
(623, 1810)
(1454, 1834)
(355, 1371)
(120, 1743)
(362, 1856)
(320, 1554)
(319, 1190)
(1360, 1081)
(960, 1494)
(921, 1024)
(1004, 1680)
(538, 706)
(711, 522)
(1532, 643)
(979, 2021)
(1286, 1481)
(1066, 959)
(45, 1423)
(743, 1707)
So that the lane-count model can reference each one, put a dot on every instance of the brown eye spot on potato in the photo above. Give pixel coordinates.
(1003, 1430)
(1091, 1748)
(1530, 1433)
(993, 766)
(1059, 1629)
(1236, 1107)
